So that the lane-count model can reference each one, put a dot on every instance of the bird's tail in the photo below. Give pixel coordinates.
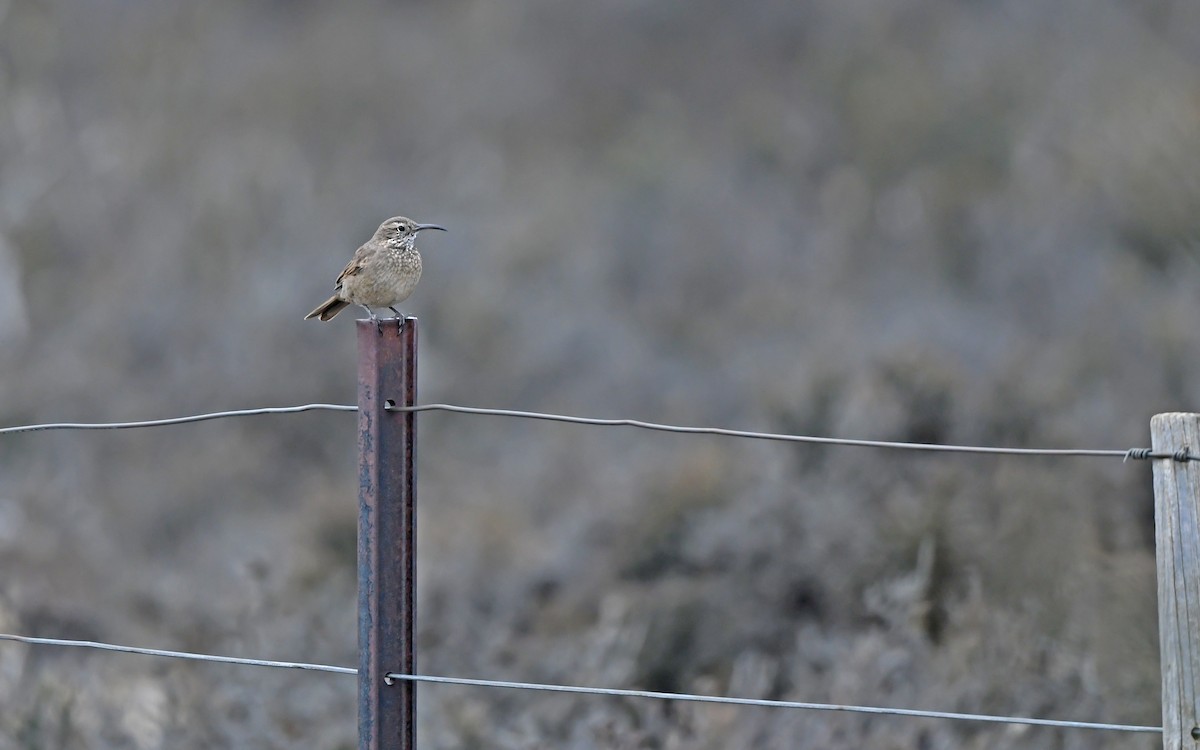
(328, 308)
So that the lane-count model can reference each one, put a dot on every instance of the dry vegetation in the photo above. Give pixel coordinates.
(913, 220)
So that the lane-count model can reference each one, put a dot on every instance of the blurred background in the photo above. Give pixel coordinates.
(917, 220)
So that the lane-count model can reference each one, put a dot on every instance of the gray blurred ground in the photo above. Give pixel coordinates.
(916, 220)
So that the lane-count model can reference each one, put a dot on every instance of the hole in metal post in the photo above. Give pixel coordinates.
(387, 680)
(389, 405)
(1196, 733)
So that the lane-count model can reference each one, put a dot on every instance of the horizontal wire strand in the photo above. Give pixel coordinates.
(654, 694)
(175, 420)
(392, 676)
(1139, 454)
(1080, 452)
(175, 654)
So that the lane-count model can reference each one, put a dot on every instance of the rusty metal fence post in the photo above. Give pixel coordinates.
(387, 376)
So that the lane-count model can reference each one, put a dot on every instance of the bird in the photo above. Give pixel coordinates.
(382, 273)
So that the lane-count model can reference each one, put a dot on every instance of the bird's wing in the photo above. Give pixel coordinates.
(354, 266)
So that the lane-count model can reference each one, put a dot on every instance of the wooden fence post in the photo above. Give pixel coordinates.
(387, 377)
(1177, 550)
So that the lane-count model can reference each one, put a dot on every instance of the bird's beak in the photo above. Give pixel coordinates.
(419, 227)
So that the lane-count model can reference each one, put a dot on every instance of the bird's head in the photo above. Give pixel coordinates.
(401, 231)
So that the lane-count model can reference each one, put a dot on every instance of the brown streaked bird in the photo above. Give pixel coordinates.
(382, 273)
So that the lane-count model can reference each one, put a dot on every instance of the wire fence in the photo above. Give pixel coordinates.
(1139, 454)
(579, 689)
(1123, 454)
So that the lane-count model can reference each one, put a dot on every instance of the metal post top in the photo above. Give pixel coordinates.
(386, 323)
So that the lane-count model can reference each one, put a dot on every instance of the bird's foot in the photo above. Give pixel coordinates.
(378, 322)
(399, 318)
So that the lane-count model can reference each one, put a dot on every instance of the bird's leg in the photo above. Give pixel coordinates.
(399, 318)
(371, 313)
